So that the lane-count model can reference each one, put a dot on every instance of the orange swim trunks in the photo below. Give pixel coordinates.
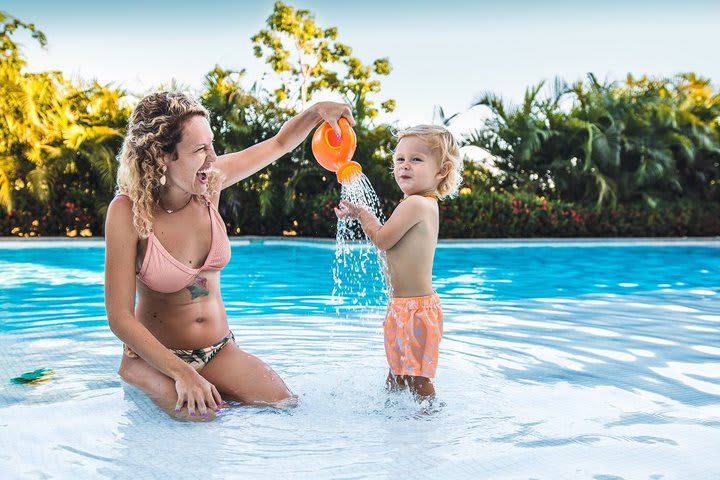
(413, 329)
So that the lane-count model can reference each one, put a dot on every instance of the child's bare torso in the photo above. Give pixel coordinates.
(410, 260)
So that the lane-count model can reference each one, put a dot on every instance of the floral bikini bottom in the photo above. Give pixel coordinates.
(197, 358)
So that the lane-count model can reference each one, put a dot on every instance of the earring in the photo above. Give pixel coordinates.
(162, 177)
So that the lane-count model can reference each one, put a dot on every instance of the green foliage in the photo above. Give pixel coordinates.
(310, 59)
(516, 135)
(242, 118)
(639, 157)
(9, 49)
(59, 139)
(640, 140)
(276, 200)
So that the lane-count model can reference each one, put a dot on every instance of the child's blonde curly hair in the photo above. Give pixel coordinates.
(442, 142)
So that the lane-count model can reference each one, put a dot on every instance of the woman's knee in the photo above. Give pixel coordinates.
(125, 372)
(279, 393)
(246, 378)
(271, 388)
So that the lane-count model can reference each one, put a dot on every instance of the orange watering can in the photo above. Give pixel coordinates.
(334, 154)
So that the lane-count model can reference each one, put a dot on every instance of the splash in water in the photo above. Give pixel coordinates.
(359, 268)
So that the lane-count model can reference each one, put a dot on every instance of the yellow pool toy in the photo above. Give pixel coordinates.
(31, 378)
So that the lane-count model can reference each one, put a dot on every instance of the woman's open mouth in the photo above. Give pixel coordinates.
(202, 175)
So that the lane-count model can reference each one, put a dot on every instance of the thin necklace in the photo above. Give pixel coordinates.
(169, 210)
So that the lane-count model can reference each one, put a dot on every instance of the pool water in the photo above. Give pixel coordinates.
(596, 360)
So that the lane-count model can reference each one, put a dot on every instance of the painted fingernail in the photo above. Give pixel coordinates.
(218, 411)
(192, 414)
(177, 410)
(338, 136)
(204, 414)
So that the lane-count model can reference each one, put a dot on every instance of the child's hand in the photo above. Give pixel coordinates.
(347, 210)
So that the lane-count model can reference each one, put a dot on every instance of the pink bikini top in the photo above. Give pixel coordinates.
(163, 273)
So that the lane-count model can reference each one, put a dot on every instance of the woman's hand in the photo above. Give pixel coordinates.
(331, 112)
(347, 210)
(192, 389)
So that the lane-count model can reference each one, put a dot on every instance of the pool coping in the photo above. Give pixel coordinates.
(55, 242)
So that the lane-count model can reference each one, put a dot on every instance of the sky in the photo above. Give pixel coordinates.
(443, 53)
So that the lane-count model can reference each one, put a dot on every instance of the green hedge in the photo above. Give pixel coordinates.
(76, 216)
(472, 215)
(501, 215)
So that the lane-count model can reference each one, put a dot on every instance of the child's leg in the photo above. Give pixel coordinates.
(413, 328)
(395, 382)
(422, 387)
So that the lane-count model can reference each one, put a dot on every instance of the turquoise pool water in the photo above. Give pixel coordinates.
(596, 360)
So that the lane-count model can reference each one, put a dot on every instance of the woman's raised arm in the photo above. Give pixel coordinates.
(240, 165)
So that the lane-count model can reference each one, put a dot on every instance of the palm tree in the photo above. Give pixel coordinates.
(642, 138)
(518, 136)
(593, 136)
(11, 102)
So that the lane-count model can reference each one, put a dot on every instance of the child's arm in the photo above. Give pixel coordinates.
(408, 214)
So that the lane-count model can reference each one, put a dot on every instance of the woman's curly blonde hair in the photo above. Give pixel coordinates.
(155, 128)
(442, 142)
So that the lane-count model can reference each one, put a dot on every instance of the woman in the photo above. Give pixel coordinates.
(166, 243)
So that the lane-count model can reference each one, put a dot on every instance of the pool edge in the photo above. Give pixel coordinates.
(318, 242)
